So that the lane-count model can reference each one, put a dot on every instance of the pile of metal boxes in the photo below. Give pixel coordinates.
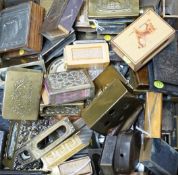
(89, 87)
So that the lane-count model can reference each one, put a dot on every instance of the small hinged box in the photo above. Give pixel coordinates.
(69, 86)
(86, 55)
(22, 94)
(60, 18)
(20, 28)
(143, 39)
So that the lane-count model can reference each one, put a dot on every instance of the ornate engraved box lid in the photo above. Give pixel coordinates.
(142, 37)
(14, 28)
(62, 82)
(113, 8)
(22, 94)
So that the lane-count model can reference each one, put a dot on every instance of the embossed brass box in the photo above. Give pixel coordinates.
(67, 149)
(28, 130)
(32, 62)
(36, 147)
(22, 94)
(113, 8)
(112, 105)
(86, 55)
(147, 36)
(70, 109)
(70, 86)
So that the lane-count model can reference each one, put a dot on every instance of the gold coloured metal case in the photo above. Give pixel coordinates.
(67, 148)
(22, 94)
(112, 105)
(35, 147)
(112, 8)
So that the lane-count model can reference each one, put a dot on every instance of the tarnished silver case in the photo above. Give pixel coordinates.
(70, 86)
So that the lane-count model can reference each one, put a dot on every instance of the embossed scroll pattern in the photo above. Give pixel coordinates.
(21, 97)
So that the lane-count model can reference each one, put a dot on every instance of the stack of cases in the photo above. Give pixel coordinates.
(88, 87)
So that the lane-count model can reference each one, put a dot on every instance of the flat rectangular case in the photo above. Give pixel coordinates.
(147, 36)
(86, 55)
(70, 86)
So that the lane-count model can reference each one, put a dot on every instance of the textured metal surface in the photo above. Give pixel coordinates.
(70, 86)
(45, 141)
(71, 79)
(27, 131)
(11, 145)
(22, 94)
(73, 109)
(67, 149)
